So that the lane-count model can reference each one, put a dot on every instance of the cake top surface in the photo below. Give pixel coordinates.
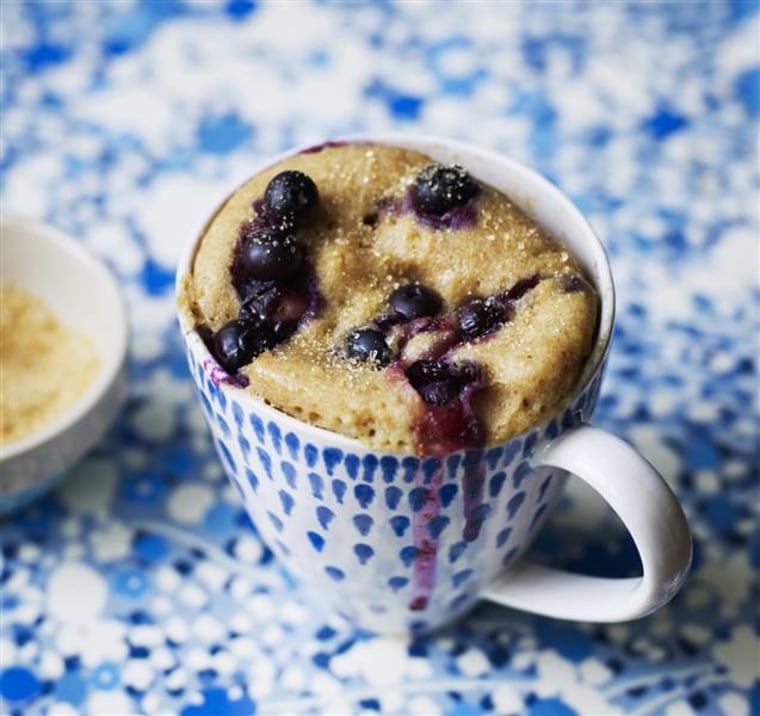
(399, 262)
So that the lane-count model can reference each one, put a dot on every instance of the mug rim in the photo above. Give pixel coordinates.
(601, 277)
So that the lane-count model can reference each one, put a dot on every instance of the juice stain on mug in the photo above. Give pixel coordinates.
(441, 430)
(425, 543)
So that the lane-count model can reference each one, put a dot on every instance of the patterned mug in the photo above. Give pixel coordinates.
(399, 543)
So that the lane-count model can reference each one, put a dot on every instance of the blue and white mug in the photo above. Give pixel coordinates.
(399, 543)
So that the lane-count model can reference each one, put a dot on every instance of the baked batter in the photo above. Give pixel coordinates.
(377, 294)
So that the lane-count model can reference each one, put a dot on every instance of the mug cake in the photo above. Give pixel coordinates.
(371, 291)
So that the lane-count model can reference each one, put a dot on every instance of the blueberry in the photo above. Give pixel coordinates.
(439, 382)
(289, 308)
(291, 197)
(415, 301)
(276, 310)
(367, 344)
(480, 317)
(438, 189)
(260, 305)
(270, 255)
(287, 313)
(274, 304)
(238, 342)
(207, 336)
(573, 283)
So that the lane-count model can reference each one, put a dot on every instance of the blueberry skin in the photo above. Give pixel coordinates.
(270, 255)
(480, 317)
(260, 305)
(415, 301)
(439, 189)
(439, 382)
(238, 342)
(291, 197)
(274, 304)
(368, 345)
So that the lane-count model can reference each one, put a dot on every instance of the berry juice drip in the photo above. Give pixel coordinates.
(447, 422)
(441, 430)
(218, 375)
(426, 545)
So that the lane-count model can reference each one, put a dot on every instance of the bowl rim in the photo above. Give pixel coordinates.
(112, 362)
(602, 279)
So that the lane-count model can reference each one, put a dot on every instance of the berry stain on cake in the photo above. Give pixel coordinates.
(373, 292)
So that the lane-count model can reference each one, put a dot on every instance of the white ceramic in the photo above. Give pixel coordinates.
(399, 543)
(82, 292)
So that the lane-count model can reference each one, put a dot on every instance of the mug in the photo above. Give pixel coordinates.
(403, 543)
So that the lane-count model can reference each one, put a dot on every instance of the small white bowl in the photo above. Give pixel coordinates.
(85, 296)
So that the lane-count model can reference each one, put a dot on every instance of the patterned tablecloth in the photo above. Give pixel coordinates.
(139, 586)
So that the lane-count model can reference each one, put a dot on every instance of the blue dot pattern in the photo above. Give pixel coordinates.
(363, 542)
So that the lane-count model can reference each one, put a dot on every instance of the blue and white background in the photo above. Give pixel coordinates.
(139, 586)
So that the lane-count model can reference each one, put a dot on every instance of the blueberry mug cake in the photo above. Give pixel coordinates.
(368, 290)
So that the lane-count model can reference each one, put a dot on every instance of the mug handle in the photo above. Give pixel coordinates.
(649, 511)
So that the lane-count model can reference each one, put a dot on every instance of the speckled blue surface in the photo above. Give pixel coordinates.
(139, 585)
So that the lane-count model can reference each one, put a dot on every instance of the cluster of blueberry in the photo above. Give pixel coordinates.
(436, 191)
(270, 272)
(408, 302)
(415, 309)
